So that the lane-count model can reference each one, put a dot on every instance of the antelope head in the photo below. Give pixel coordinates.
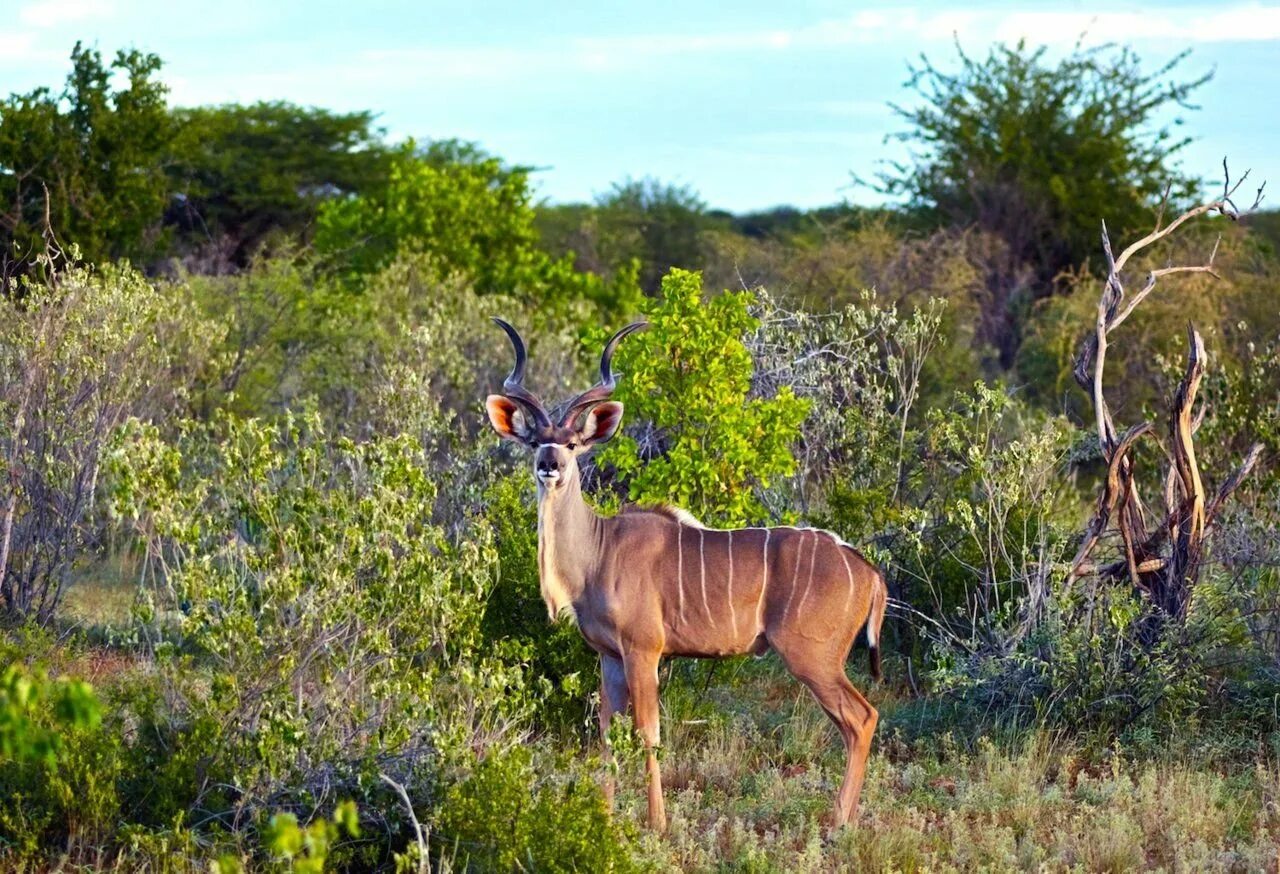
(588, 420)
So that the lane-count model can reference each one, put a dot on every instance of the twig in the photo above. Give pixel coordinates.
(423, 865)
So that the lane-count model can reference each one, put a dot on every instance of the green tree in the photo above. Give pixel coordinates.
(473, 215)
(97, 150)
(242, 173)
(660, 225)
(644, 222)
(1040, 153)
(698, 439)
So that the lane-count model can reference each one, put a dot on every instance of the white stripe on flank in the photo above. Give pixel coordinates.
(848, 570)
(795, 574)
(733, 610)
(680, 566)
(764, 582)
(702, 567)
(813, 558)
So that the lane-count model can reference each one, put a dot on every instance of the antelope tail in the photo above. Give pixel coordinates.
(875, 618)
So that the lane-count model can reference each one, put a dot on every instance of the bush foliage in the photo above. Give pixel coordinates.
(698, 440)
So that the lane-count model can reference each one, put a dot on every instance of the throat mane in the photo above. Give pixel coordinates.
(553, 581)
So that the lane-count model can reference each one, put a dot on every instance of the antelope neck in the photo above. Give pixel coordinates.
(568, 543)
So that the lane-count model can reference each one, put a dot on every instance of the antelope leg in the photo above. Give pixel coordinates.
(614, 698)
(642, 680)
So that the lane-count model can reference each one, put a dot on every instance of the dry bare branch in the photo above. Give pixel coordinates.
(424, 861)
(1187, 519)
(1232, 483)
(1110, 496)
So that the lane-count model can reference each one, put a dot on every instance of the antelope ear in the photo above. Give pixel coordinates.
(507, 419)
(601, 424)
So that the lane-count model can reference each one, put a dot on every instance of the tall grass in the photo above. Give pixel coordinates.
(749, 791)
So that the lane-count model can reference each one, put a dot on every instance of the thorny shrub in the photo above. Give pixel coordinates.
(312, 625)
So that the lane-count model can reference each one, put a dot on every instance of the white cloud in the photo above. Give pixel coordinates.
(496, 65)
(22, 49)
(1252, 22)
(29, 41)
(678, 44)
(975, 26)
(53, 13)
(14, 46)
(1246, 22)
(361, 73)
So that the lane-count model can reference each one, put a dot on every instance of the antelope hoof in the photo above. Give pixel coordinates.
(837, 819)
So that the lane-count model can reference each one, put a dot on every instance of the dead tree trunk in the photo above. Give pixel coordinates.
(1164, 563)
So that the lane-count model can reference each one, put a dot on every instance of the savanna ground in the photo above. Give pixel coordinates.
(751, 765)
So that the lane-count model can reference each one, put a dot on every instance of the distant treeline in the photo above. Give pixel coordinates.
(1021, 158)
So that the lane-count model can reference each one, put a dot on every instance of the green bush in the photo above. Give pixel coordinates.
(862, 369)
(503, 818)
(306, 849)
(1015, 641)
(58, 767)
(29, 701)
(311, 623)
(246, 338)
(696, 437)
(1146, 360)
(413, 353)
(78, 354)
(827, 269)
(474, 217)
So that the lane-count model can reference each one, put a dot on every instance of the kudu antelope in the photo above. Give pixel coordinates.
(648, 583)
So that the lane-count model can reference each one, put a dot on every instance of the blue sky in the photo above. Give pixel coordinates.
(753, 104)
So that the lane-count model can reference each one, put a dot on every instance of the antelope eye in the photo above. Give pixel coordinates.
(572, 446)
